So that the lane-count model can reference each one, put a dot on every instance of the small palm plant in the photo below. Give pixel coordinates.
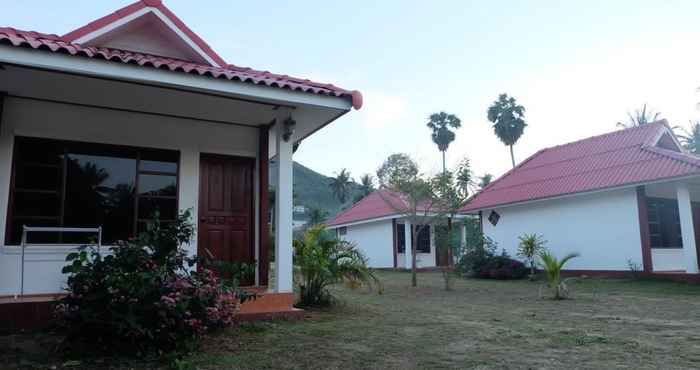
(322, 260)
(552, 268)
(530, 246)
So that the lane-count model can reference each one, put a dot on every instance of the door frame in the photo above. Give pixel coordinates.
(249, 161)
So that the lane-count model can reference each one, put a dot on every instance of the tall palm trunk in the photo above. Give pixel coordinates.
(512, 156)
(444, 167)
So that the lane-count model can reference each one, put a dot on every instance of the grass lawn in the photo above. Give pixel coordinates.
(482, 324)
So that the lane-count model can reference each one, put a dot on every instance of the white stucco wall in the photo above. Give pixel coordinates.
(603, 227)
(375, 239)
(57, 121)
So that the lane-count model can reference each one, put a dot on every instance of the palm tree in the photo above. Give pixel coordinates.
(690, 138)
(552, 268)
(640, 118)
(442, 136)
(508, 118)
(317, 216)
(366, 187)
(340, 185)
(485, 180)
(529, 247)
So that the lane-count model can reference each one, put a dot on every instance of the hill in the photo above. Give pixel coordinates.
(312, 189)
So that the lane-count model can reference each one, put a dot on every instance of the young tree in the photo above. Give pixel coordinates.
(508, 118)
(640, 118)
(341, 185)
(439, 124)
(421, 200)
(529, 248)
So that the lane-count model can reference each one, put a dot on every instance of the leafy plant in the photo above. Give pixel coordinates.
(552, 268)
(144, 297)
(323, 260)
(530, 246)
(635, 269)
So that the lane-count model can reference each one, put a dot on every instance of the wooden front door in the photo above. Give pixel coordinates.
(226, 209)
(695, 206)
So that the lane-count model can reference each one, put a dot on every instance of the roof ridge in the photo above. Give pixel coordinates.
(509, 172)
(612, 133)
(356, 204)
(682, 157)
(574, 174)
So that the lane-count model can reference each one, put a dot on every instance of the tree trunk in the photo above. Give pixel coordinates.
(414, 241)
(450, 261)
(512, 156)
(444, 167)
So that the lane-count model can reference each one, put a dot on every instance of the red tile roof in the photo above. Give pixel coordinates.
(64, 45)
(375, 205)
(624, 157)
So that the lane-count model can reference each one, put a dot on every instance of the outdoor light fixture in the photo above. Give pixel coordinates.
(289, 126)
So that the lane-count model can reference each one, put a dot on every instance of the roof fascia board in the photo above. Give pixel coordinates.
(571, 195)
(122, 71)
(163, 18)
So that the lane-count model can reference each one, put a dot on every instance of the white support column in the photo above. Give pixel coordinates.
(685, 212)
(408, 250)
(283, 211)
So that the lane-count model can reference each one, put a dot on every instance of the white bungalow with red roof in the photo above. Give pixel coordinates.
(383, 233)
(134, 113)
(629, 196)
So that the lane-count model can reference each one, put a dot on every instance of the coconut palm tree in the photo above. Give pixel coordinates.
(529, 248)
(317, 216)
(640, 118)
(508, 118)
(341, 185)
(366, 187)
(690, 138)
(440, 124)
(485, 180)
(552, 268)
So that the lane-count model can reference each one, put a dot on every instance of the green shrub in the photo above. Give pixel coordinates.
(143, 298)
(322, 260)
(481, 261)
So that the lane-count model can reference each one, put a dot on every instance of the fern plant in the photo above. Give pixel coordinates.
(322, 260)
(552, 268)
(530, 246)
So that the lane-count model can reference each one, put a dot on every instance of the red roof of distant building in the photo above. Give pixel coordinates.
(381, 203)
(65, 45)
(626, 157)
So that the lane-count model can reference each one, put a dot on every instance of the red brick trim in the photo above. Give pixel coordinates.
(644, 230)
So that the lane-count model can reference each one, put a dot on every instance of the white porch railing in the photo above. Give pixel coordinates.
(29, 229)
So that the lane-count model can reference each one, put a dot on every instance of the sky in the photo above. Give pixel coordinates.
(578, 67)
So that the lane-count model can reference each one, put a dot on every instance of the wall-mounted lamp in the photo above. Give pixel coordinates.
(289, 126)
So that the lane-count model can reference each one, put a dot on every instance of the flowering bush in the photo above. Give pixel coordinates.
(144, 297)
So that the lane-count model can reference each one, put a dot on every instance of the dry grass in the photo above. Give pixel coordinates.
(482, 324)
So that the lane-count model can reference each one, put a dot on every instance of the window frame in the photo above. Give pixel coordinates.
(656, 207)
(66, 147)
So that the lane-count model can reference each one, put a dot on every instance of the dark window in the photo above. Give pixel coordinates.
(400, 239)
(423, 240)
(664, 223)
(494, 217)
(343, 230)
(70, 184)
